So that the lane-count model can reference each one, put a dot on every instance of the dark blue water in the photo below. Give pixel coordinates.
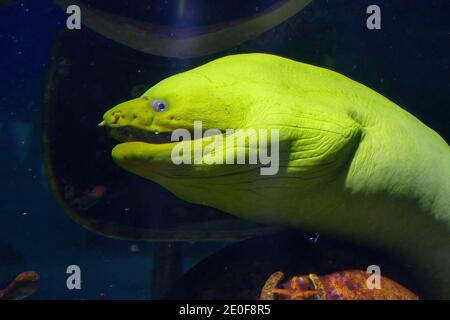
(34, 232)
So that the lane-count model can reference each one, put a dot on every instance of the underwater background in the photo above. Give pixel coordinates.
(408, 61)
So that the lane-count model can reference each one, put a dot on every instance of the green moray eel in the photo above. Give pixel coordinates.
(352, 164)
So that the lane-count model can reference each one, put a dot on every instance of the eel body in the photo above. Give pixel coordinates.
(352, 164)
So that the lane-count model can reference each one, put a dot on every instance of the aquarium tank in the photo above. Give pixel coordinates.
(224, 150)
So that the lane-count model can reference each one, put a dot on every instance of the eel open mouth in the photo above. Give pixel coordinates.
(135, 134)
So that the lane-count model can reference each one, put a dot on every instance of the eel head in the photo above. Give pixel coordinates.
(236, 97)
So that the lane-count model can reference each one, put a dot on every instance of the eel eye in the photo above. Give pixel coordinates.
(159, 105)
